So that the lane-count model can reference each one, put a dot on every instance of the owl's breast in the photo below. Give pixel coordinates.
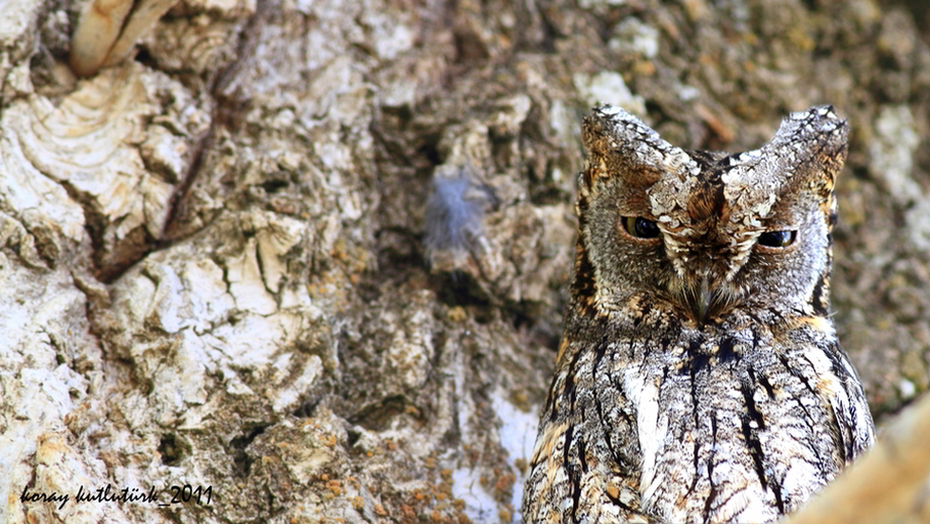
(730, 427)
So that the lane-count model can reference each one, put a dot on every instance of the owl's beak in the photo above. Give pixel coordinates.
(704, 298)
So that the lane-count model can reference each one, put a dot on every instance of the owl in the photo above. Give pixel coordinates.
(699, 377)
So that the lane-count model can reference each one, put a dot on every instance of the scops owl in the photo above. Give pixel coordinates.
(699, 377)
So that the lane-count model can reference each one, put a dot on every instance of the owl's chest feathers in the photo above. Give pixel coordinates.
(735, 424)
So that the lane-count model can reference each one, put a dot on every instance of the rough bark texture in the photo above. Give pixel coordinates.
(213, 260)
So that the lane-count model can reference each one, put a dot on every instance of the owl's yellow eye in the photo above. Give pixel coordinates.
(639, 227)
(778, 238)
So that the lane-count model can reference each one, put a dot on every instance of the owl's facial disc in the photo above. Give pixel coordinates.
(706, 292)
(707, 231)
(707, 257)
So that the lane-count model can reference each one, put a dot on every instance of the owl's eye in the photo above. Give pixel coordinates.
(640, 227)
(777, 238)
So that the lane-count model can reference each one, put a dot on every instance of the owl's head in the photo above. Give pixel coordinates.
(708, 232)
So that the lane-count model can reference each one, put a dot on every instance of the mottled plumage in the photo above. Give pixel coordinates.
(699, 378)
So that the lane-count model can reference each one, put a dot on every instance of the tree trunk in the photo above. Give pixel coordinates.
(221, 271)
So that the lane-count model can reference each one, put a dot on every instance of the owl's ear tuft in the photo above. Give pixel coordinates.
(803, 158)
(818, 142)
(620, 145)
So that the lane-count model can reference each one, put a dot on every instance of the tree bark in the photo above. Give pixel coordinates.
(214, 255)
